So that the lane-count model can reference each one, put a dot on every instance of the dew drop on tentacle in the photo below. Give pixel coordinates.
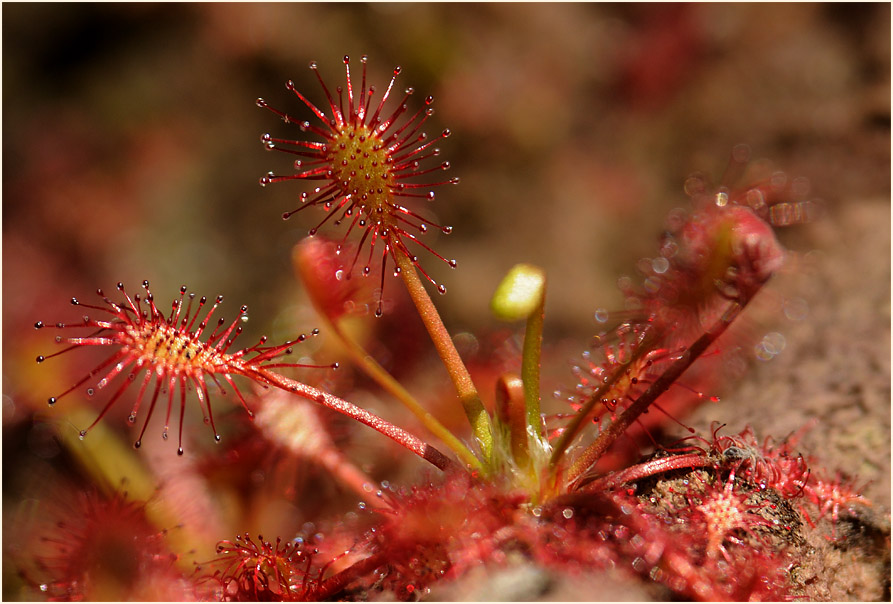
(82, 434)
(441, 289)
(260, 102)
(51, 401)
(38, 325)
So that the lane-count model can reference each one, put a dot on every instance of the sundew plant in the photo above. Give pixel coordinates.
(374, 450)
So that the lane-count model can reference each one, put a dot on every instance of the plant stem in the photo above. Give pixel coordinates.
(530, 366)
(398, 435)
(607, 437)
(465, 388)
(649, 468)
(387, 382)
(330, 587)
(522, 295)
(511, 411)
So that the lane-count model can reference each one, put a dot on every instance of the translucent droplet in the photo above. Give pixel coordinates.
(82, 434)
(441, 289)
(694, 185)
(796, 309)
(741, 153)
(601, 315)
(660, 265)
(339, 274)
(800, 186)
(770, 346)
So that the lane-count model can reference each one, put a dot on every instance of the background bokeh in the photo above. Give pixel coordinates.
(131, 151)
